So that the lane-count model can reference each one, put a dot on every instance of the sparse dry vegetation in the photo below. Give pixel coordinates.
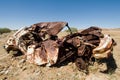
(4, 30)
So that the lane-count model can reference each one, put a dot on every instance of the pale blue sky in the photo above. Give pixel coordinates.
(78, 13)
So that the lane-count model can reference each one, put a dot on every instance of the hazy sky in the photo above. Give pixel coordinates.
(78, 13)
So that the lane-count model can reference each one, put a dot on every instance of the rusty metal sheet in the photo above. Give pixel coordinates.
(51, 28)
(47, 54)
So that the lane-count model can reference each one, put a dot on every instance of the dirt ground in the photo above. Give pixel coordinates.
(16, 68)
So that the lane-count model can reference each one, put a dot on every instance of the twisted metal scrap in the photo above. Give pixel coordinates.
(50, 50)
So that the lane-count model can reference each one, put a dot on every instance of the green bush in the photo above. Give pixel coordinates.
(4, 30)
(72, 29)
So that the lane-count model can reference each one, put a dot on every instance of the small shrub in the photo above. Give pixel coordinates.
(4, 30)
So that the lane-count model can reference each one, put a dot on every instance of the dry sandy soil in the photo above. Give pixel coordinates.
(16, 68)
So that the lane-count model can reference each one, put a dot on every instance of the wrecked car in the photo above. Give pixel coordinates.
(42, 46)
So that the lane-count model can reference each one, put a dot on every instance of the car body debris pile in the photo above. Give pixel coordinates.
(42, 46)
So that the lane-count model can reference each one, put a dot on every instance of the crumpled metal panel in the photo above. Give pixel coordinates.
(50, 28)
(13, 42)
(104, 49)
(46, 54)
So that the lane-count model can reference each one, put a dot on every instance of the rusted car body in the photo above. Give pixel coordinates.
(41, 45)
